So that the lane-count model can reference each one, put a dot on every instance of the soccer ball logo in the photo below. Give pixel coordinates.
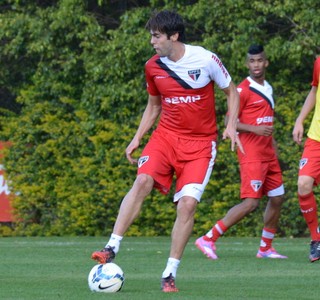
(106, 278)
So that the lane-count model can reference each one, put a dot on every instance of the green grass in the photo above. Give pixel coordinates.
(57, 268)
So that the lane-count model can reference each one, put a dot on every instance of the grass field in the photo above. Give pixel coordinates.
(57, 267)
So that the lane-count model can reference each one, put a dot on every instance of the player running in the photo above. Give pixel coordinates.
(259, 167)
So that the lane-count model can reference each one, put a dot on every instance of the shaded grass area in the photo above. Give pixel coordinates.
(57, 268)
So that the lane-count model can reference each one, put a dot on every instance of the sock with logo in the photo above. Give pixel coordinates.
(308, 206)
(217, 230)
(114, 242)
(267, 238)
(171, 268)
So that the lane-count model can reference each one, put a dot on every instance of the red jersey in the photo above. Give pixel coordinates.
(187, 91)
(256, 108)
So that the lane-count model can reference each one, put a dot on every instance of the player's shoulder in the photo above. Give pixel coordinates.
(243, 85)
(152, 60)
(205, 56)
(198, 51)
(196, 48)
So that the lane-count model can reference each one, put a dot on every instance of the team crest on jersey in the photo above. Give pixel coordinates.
(303, 162)
(256, 185)
(194, 74)
(142, 160)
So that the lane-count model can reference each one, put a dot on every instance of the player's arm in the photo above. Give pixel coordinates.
(149, 117)
(306, 108)
(233, 109)
(258, 130)
(264, 130)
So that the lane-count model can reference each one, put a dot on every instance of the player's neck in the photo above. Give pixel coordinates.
(177, 52)
(259, 80)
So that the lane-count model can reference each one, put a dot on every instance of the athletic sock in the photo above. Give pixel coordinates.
(171, 268)
(267, 238)
(114, 242)
(217, 230)
(309, 210)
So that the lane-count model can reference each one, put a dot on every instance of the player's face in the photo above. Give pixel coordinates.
(161, 43)
(257, 64)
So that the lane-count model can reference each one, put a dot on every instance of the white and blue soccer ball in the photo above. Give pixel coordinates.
(106, 278)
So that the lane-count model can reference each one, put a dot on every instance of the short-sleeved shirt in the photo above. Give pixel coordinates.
(259, 167)
(314, 130)
(256, 108)
(187, 91)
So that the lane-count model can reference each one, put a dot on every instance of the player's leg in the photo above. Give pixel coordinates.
(187, 196)
(251, 192)
(129, 210)
(273, 188)
(271, 220)
(273, 211)
(309, 176)
(308, 204)
(153, 171)
(206, 243)
(132, 202)
(180, 235)
(183, 225)
(239, 211)
(309, 210)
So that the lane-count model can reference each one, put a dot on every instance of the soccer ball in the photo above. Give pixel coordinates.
(106, 278)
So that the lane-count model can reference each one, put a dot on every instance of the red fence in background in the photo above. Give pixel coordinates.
(5, 207)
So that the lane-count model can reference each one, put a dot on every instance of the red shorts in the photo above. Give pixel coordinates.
(310, 160)
(261, 178)
(190, 160)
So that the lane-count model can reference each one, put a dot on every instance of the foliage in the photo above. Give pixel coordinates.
(78, 83)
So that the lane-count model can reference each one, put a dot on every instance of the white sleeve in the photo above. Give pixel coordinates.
(218, 73)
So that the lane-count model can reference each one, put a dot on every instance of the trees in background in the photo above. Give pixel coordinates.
(72, 94)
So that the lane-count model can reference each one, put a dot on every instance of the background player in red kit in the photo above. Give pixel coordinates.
(259, 167)
(309, 172)
(180, 83)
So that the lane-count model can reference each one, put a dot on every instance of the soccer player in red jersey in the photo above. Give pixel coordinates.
(309, 171)
(259, 167)
(180, 83)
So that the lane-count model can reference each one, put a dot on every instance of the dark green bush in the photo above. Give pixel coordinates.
(81, 89)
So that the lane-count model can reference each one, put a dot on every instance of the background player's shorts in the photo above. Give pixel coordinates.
(190, 160)
(261, 178)
(310, 160)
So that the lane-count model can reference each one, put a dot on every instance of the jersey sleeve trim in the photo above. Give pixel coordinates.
(262, 95)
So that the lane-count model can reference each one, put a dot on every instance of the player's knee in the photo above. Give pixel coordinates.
(305, 185)
(187, 206)
(254, 206)
(144, 181)
(277, 201)
(250, 204)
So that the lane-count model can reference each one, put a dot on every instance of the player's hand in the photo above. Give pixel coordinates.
(130, 150)
(234, 137)
(297, 133)
(263, 130)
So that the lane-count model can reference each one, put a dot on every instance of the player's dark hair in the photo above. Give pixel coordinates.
(255, 49)
(167, 22)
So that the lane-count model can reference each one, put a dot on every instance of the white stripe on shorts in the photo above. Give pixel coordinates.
(196, 190)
